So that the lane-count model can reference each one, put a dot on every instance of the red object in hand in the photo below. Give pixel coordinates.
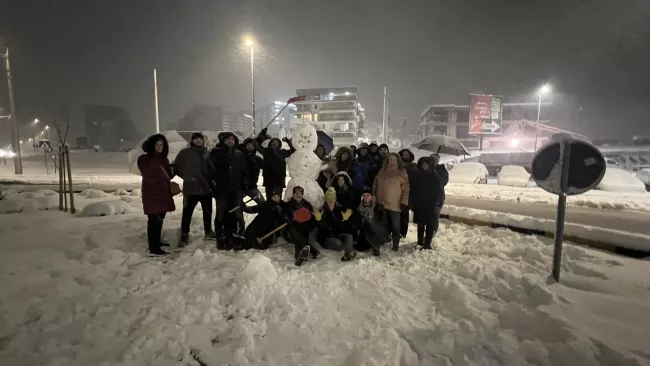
(295, 99)
(302, 215)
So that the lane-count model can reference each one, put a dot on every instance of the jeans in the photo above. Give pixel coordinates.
(154, 230)
(225, 223)
(391, 221)
(341, 241)
(189, 204)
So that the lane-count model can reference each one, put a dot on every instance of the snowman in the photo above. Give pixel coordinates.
(304, 166)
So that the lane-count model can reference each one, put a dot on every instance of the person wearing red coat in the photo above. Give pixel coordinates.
(157, 197)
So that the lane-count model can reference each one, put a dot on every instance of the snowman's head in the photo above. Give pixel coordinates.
(304, 137)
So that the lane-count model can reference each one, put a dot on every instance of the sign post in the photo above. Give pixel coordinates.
(485, 115)
(566, 166)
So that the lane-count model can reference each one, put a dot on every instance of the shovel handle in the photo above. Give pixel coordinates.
(259, 240)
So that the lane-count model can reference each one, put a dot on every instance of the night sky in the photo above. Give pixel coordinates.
(595, 54)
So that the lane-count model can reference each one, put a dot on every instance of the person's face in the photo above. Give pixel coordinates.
(275, 144)
(276, 198)
(198, 141)
(383, 151)
(250, 147)
(345, 156)
(363, 152)
(297, 195)
(373, 149)
(392, 161)
(320, 151)
(405, 156)
(230, 141)
(366, 197)
(159, 146)
(341, 181)
(331, 200)
(425, 166)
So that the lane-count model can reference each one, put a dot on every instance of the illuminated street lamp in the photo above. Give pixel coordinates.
(543, 90)
(250, 44)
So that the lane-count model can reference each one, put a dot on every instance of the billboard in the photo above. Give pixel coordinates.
(485, 112)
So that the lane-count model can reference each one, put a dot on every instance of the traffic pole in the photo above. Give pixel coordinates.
(18, 159)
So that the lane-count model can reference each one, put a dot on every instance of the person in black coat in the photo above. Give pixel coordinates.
(344, 192)
(371, 232)
(411, 169)
(426, 187)
(270, 215)
(254, 164)
(335, 229)
(378, 161)
(323, 175)
(443, 174)
(299, 233)
(228, 176)
(275, 165)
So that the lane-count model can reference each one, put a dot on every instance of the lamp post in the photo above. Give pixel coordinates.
(250, 44)
(543, 90)
(252, 122)
(33, 141)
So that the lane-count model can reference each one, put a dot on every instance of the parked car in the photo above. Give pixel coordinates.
(469, 173)
(620, 180)
(514, 176)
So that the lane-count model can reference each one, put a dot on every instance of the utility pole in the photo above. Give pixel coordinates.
(18, 159)
(253, 86)
(384, 136)
(155, 97)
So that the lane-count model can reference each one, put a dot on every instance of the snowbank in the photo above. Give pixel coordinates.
(85, 296)
(513, 175)
(106, 208)
(29, 202)
(619, 180)
(93, 193)
(468, 173)
(121, 192)
(136, 192)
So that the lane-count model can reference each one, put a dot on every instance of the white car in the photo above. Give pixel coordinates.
(619, 180)
(514, 176)
(469, 173)
(644, 176)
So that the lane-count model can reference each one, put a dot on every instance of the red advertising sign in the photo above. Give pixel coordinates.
(485, 114)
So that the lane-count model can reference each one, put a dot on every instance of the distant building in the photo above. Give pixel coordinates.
(335, 111)
(108, 126)
(236, 121)
(202, 117)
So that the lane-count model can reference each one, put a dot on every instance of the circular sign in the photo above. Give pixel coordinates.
(586, 166)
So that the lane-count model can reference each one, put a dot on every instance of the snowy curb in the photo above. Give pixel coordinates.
(582, 234)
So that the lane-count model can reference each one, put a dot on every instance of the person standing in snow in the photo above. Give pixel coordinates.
(324, 176)
(426, 186)
(157, 189)
(378, 161)
(299, 233)
(254, 164)
(443, 177)
(334, 227)
(353, 149)
(227, 175)
(190, 166)
(391, 189)
(361, 171)
(275, 164)
(411, 169)
(342, 162)
(374, 150)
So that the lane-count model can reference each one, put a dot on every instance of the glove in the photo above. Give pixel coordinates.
(318, 214)
(346, 215)
(264, 132)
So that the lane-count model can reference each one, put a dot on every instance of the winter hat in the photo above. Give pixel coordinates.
(197, 135)
(331, 193)
(384, 146)
(298, 188)
(276, 192)
(367, 190)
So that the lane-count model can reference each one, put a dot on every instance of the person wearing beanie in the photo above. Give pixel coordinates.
(361, 170)
(227, 173)
(411, 170)
(275, 165)
(190, 166)
(353, 148)
(371, 233)
(299, 233)
(270, 215)
(335, 228)
(254, 164)
(378, 162)
(391, 189)
(373, 149)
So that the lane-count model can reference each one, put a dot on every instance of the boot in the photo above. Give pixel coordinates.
(185, 239)
(427, 242)
(302, 256)
(395, 244)
(222, 242)
(314, 252)
(157, 252)
(375, 252)
(420, 236)
(209, 234)
(348, 257)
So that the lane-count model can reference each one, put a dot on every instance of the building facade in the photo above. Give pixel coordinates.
(335, 111)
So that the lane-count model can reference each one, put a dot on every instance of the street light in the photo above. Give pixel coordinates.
(543, 90)
(250, 44)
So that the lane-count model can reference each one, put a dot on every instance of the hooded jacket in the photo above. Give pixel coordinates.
(190, 165)
(427, 187)
(254, 162)
(391, 188)
(409, 165)
(338, 165)
(345, 194)
(377, 164)
(227, 168)
(362, 167)
(275, 165)
(156, 177)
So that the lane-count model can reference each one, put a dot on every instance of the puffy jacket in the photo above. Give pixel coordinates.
(254, 162)
(443, 175)
(338, 165)
(227, 168)
(344, 195)
(391, 189)
(332, 224)
(190, 165)
(427, 187)
(275, 165)
(361, 173)
(156, 178)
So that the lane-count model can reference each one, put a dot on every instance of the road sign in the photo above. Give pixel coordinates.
(566, 166)
(485, 114)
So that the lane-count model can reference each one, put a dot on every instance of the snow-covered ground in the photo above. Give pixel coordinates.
(637, 201)
(77, 291)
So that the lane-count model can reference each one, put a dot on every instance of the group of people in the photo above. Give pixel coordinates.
(369, 193)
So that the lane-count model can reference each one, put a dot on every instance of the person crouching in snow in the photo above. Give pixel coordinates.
(426, 187)
(371, 233)
(343, 186)
(334, 228)
(299, 233)
(157, 195)
(270, 215)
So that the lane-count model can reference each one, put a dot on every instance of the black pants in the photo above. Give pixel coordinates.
(189, 204)
(428, 226)
(268, 191)
(391, 221)
(226, 223)
(154, 230)
(404, 221)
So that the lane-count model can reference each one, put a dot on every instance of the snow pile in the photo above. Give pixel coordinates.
(39, 193)
(513, 175)
(136, 192)
(619, 180)
(468, 173)
(106, 208)
(644, 176)
(121, 192)
(84, 297)
(29, 201)
(7, 194)
(93, 193)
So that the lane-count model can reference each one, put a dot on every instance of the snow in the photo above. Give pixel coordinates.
(29, 201)
(469, 173)
(619, 180)
(513, 175)
(106, 208)
(93, 193)
(84, 295)
(633, 201)
(614, 237)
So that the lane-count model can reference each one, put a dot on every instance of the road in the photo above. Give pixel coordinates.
(629, 221)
